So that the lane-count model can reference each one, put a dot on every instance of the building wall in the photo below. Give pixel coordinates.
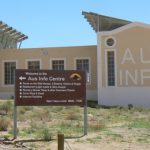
(132, 66)
(45, 55)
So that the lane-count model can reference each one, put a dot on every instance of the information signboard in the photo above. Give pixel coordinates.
(49, 87)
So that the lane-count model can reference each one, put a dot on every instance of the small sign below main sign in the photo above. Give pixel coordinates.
(49, 87)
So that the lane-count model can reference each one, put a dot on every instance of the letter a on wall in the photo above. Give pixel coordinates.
(127, 57)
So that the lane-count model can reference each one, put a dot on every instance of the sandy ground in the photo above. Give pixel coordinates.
(93, 141)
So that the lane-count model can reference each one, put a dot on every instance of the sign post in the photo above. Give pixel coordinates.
(50, 88)
(15, 114)
(60, 141)
(15, 122)
(85, 120)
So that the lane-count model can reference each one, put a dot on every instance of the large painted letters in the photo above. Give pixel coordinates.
(142, 57)
(127, 56)
(137, 76)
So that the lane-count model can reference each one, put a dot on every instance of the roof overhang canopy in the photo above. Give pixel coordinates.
(103, 23)
(18, 36)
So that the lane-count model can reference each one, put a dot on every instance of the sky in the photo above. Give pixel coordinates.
(59, 23)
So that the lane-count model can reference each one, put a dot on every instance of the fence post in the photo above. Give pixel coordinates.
(60, 141)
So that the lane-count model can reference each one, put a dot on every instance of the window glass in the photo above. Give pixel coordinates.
(9, 70)
(110, 68)
(83, 64)
(57, 64)
(110, 42)
(34, 65)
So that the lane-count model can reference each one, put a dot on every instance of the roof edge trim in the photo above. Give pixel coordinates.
(123, 28)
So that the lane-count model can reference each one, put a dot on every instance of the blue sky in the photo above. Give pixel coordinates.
(56, 23)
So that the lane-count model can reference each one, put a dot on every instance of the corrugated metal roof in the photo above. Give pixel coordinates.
(13, 33)
(103, 23)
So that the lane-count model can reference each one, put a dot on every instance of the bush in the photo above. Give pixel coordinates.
(45, 134)
(23, 109)
(43, 115)
(6, 107)
(4, 123)
(72, 116)
(97, 125)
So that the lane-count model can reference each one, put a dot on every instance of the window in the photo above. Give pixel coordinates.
(34, 65)
(57, 64)
(110, 42)
(110, 68)
(9, 70)
(83, 64)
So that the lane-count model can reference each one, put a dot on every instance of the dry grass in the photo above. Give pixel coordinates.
(72, 116)
(5, 107)
(113, 125)
(96, 125)
(5, 123)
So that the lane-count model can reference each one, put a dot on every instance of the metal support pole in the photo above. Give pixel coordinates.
(85, 120)
(2, 40)
(60, 141)
(15, 111)
(15, 121)
(20, 45)
(98, 24)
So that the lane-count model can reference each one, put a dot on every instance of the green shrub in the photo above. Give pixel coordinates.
(23, 109)
(4, 123)
(72, 116)
(6, 107)
(6, 137)
(43, 115)
(97, 125)
(140, 123)
(45, 134)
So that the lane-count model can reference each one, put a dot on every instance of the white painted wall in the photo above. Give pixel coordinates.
(122, 96)
(91, 95)
(6, 95)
